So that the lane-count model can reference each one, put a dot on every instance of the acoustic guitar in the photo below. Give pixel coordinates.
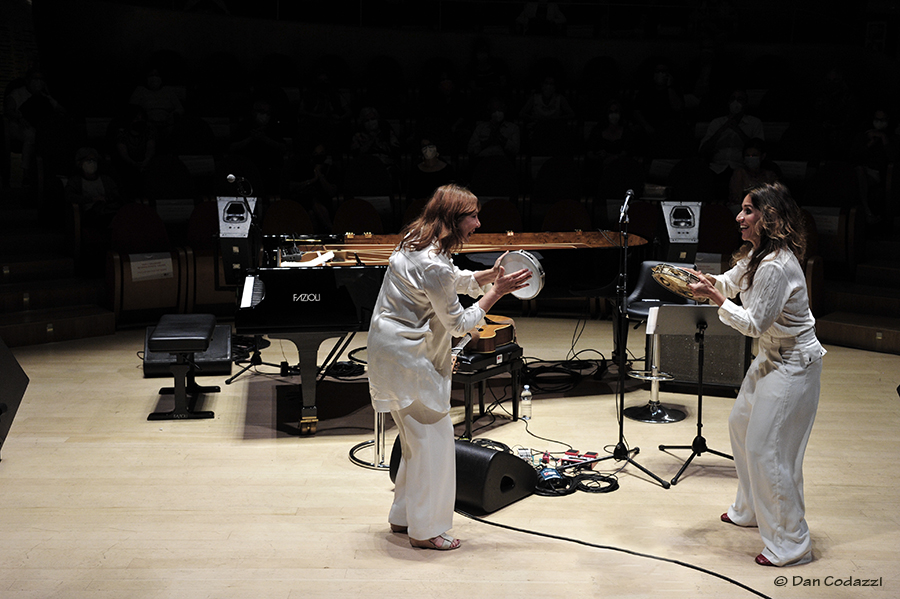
(496, 332)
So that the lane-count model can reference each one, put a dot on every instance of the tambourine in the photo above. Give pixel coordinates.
(519, 259)
(675, 279)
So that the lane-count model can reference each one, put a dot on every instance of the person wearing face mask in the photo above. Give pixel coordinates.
(774, 412)
(753, 172)
(160, 102)
(417, 312)
(95, 193)
(429, 173)
(610, 138)
(726, 136)
(495, 136)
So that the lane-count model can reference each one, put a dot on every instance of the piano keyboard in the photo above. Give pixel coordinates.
(253, 292)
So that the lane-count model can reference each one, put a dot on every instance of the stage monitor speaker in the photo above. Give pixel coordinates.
(235, 246)
(726, 359)
(216, 360)
(486, 479)
(13, 382)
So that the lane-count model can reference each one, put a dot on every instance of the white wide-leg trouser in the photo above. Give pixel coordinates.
(425, 485)
(769, 427)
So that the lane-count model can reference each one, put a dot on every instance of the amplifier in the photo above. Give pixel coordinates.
(725, 362)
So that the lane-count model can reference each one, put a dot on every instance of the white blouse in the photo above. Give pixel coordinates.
(416, 314)
(776, 303)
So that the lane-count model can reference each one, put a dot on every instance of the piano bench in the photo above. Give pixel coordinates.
(508, 359)
(183, 335)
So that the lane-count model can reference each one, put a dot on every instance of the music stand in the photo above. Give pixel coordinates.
(698, 321)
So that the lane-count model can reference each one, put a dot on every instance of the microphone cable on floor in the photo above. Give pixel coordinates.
(618, 549)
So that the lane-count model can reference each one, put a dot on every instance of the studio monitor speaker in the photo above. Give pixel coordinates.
(13, 382)
(486, 479)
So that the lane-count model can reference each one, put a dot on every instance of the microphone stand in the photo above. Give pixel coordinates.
(622, 452)
(255, 358)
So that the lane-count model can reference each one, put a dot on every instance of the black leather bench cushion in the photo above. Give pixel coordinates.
(182, 333)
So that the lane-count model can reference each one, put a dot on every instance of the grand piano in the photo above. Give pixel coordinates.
(310, 290)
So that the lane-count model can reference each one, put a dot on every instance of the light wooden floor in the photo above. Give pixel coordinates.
(97, 502)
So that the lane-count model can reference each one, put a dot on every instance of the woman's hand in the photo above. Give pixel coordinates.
(489, 275)
(705, 287)
(507, 283)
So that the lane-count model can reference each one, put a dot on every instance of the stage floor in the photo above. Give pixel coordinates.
(98, 502)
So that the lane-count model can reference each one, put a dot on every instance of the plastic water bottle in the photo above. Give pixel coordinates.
(525, 403)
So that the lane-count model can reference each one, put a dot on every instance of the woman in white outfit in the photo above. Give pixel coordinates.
(416, 314)
(776, 406)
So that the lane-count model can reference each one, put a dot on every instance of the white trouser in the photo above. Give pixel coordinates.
(425, 485)
(770, 426)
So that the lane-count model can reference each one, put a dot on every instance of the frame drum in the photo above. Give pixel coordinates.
(675, 279)
(519, 259)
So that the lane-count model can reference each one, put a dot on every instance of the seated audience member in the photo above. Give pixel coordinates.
(541, 18)
(488, 76)
(160, 102)
(429, 173)
(547, 104)
(753, 172)
(31, 113)
(95, 193)
(726, 136)
(834, 110)
(375, 137)
(658, 102)
(873, 149)
(321, 111)
(260, 138)
(612, 137)
(135, 142)
(444, 110)
(495, 136)
(307, 180)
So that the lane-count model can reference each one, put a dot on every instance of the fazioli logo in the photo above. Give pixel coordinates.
(307, 297)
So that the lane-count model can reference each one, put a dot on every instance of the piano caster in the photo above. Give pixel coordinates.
(308, 425)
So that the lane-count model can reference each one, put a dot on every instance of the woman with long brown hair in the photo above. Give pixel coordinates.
(776, 406)
(416, 314)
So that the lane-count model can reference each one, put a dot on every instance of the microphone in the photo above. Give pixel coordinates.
(243, 185)
(623, 211)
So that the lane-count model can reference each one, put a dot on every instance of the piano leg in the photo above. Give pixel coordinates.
(308, 350)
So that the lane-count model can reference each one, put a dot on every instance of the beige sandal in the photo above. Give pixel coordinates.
(442, 542)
